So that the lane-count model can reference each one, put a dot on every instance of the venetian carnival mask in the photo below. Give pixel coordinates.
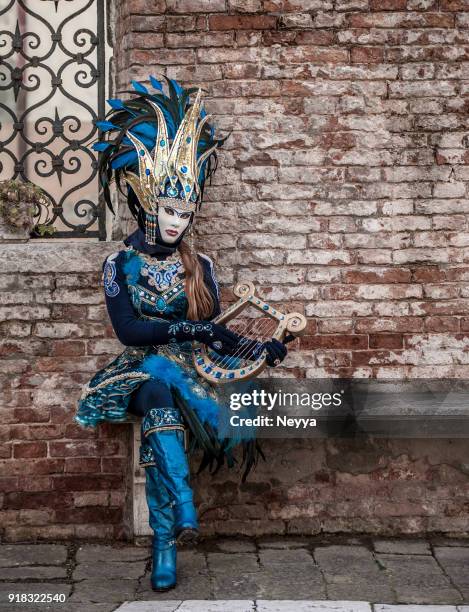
(172, 223)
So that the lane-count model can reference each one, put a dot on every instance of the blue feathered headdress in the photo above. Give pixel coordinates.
(162, 145)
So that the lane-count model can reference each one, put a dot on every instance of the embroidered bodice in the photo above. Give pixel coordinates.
(158, 291)
(144, 294)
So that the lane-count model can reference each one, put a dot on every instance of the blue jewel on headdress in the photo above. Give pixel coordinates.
(147, 171)
(193, 196)
(188, 139)
(172, 192)
(162, 142)
(142, 152)
(161, 304)
(187, 188)
(183, 169)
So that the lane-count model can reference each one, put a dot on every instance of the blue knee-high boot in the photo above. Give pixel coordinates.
(163, 431)
(161, 519)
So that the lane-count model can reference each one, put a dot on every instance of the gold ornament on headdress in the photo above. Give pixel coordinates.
(175, 163)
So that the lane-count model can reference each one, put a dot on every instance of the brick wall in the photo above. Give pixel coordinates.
(342, 192)
(56, 479)
(342, 189)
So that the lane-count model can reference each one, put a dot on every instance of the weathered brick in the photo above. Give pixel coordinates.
(166, 57)
(338, 309)
(195, 6)
(296, 21)
(27, 313)
(82, 448)
(69, 312)
(67, 348)
(274, 241)
(177, 23)
(146, 23)
(389, 341)
(453, 189)
(67, 330)
(29, 449)
(378, 275)
(38, 414)
(94, 498)
(294, 5)
(29, 466)
(15, 329)
(396, 324)
(331, 326)
(144, 6)
(416, 72)
(12, 348)
(396, 291)
(87, 482)
(378, 241)
(367, 55)
(314, 256)
(82, 465)
(443, 324)
(346, 341)
(242, 22)
(113, 465)
(342, 224)
(104, 347)
(400, 19)
(388, 5)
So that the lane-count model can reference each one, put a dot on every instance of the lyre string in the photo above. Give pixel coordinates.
(245, 349)
(242, 328)
(223, 360)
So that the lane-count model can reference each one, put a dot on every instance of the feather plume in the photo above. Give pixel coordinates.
(136, 115)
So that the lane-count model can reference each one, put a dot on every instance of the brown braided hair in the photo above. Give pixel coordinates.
(199, 297)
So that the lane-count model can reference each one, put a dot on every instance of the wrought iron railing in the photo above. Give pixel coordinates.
(52, 84)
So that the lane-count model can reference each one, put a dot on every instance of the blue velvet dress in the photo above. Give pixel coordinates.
(143, 293)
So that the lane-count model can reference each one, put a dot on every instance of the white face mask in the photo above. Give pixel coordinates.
(172, 223)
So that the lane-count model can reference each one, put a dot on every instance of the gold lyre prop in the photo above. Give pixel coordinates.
(216, 368)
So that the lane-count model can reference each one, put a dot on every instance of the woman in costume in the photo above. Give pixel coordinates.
(161, 296)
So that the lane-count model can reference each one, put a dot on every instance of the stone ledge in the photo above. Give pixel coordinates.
(47, 257)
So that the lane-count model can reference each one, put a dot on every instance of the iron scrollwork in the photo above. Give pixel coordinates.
(52, 70)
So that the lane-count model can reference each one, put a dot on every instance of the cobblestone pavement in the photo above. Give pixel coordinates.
(240, 575)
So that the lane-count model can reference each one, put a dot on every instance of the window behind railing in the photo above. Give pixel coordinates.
(53, 57)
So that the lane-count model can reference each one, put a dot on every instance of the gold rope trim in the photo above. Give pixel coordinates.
(87, 390)
(181, 428)
(163, 427)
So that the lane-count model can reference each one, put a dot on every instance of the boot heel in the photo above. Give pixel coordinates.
(187, 535)
(185, 516)
(163, 589)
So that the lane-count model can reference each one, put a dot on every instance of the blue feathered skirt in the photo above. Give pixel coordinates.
(107, 395)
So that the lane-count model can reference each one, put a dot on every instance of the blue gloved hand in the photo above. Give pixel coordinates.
(212, 334)
(276, 352)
